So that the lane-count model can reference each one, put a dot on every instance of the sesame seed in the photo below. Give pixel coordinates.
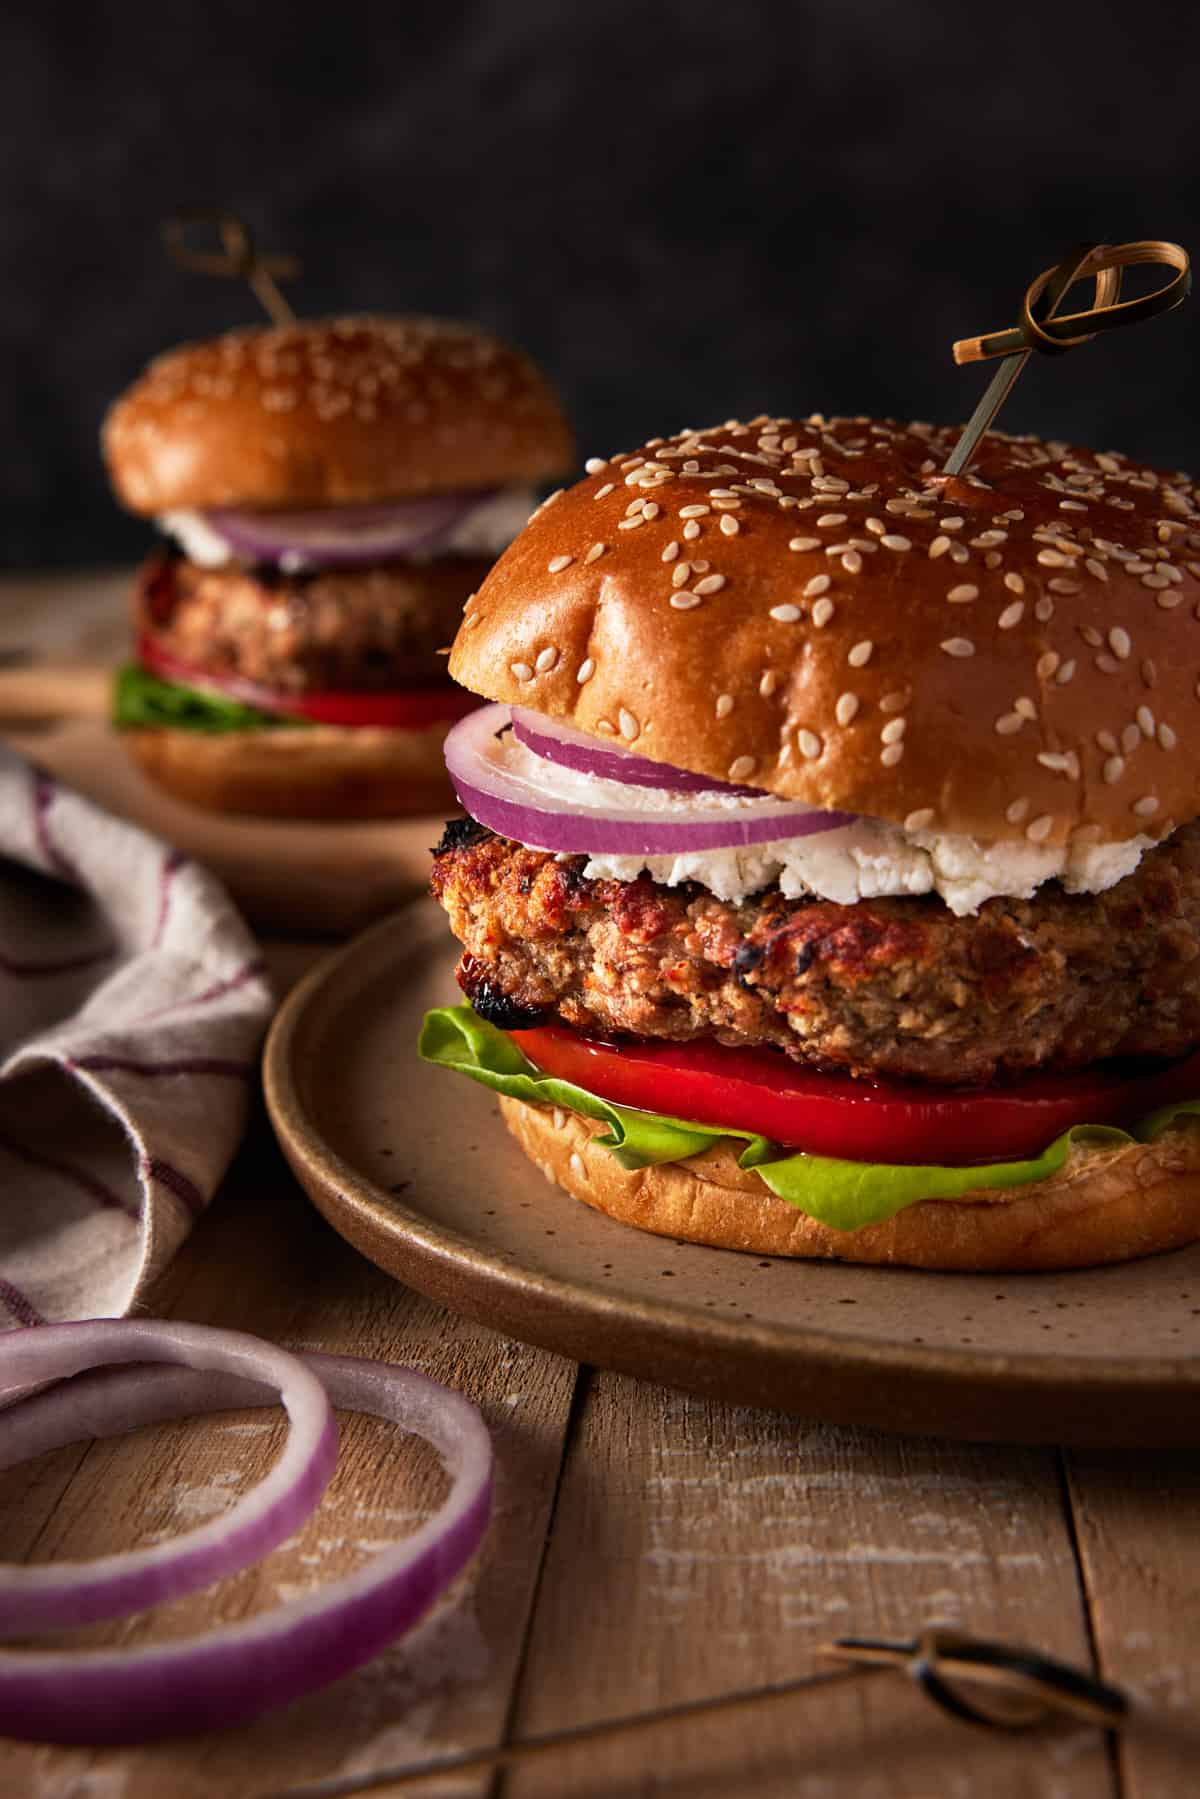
(602, 493)
(894, 730)
(724, 705)
(631, 524)
(729, 525)
(786, 614)
(831, 518)
(1168, 599)
(818, 584)
(809, 745)
(768, 683)
(681, 574)
(556, 564)
(958, 596)
(1095, 567)
(1166, 737)
(950, 524)
(1061, 584)
(587, 669)
(1146, 807)
(805, 543)
(822, 612)
(958, 646)
(852, 562)
(938, 547)
(1047, 664)
(1118, 642)
(1066, 672)
(920, 820)
(1017, 811)
(1012, 615)
(1145, 719)
(1114, 768)
(1108, 665)
(1015, 583)
(846, 708)
(522, 670)
(628, 724)
(684, 600)
(1008, 724)
(892, 540)
(876, 527)
(694, 511)
(860, 653)
(959, 553)
(594, 464)
(670, 553)
(890, 754)
(650, 509)
(1091, 636)
(986, 539)
(710, 584)
(606, 726)
(1025, 707)
(742, 766)
(546, 659)
(1040, 828)
(597, 550)
(1053, 559)
(691, 530)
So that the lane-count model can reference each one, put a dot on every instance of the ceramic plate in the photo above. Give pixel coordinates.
(413, 1166)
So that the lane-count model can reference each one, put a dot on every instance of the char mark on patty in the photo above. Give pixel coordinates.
(492, 1003)
(459, 834)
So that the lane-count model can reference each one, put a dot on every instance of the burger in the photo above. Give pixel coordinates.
(329, 493)
(831, 879)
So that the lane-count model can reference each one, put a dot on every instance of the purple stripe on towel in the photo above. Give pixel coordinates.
(222, 1065)
(82, 1178)
(172, 862)
(15, 1302)
(249, 971)
(44, 792)
(176, 1182)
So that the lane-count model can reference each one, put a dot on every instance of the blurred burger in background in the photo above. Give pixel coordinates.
(330, 493)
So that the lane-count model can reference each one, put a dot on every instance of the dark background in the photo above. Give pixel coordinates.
(685, 209)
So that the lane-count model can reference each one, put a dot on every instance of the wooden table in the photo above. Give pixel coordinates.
(647, 1548)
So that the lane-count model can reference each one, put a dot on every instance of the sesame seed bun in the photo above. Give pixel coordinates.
(1104, 1205)
(805, 606)
(320, 771)
(333, 412)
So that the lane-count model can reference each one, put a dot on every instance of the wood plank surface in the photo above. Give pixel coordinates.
(1138, 1523)
(700, 1548)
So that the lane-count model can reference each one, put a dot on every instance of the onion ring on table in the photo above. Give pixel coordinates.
(238, 1671)
(590, 815)
(53, 1596)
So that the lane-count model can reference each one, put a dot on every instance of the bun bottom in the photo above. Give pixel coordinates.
(319, 771)
(1104, 1205)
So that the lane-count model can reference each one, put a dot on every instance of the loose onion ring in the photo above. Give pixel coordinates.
(54, 1595)
(239, 1671)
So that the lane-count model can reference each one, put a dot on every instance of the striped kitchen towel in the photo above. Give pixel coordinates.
(133, 1003)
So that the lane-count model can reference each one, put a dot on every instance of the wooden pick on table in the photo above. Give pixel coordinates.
(239, 258)
(1024, 1690)
(1044, 328)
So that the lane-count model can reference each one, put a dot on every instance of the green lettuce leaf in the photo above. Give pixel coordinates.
(844, 1195)
(142, 700)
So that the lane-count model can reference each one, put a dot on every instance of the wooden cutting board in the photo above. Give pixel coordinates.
(292, 876)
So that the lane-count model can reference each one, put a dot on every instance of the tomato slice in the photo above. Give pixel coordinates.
(401, 708)
(761, 1090)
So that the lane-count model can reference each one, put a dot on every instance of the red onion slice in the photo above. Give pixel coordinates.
(54, 1595)
(562, 744)
(599, 819)
(342, 536)
(241, 1670)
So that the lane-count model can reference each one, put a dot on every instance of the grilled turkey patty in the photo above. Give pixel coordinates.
(895, 987)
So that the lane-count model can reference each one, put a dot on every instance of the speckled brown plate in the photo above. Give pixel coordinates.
(414, 1167)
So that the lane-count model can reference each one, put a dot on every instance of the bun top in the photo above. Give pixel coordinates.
(332, 412)
(807, 606)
